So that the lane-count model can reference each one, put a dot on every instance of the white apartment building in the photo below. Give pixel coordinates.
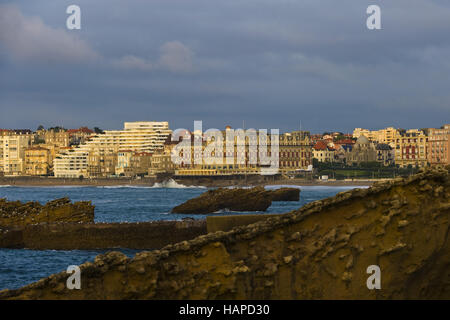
(136, 136)
(12, 151)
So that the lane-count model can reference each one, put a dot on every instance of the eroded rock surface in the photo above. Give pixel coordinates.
(16, 213)
(236, 199)
(320, 251)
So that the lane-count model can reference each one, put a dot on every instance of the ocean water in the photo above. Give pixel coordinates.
(19, 267)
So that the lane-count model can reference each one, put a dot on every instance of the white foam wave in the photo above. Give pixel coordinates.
(172, 184)
(124, 186)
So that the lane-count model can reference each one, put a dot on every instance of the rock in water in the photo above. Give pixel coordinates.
(234, 199)
(286, 194)
(16, 213)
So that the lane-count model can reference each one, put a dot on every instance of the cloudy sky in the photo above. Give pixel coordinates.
(270, 63)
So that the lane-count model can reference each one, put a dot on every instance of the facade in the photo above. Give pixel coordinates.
(130, 163)
(12, 150)
(364, 150)
(411, 148)
(161, 162)
(295, 151)
(59, 138)
(438, 151)
(98, 155)
(37, 161)
(385, 154)
(102, 162)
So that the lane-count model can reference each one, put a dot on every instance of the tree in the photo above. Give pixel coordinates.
(38, 140)
(57, 129)
(41, 127)
(98, 130)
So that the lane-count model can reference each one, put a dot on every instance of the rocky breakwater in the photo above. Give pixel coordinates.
(18, 214)
(236, 199)
(320, 251)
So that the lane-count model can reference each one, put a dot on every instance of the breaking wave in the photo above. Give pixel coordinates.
(172, 184)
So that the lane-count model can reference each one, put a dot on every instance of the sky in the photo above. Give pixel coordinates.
(274, 64)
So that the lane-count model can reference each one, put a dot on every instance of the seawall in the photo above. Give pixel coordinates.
(70, 236)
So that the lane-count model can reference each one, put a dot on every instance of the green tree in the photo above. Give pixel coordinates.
(98, 130)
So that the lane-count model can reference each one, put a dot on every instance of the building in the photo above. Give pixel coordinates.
(438, 149)
(12, 150)
(411, 148)
(98, 155)
(131, 163)
(386, 136)
(102, 163)
(323, 153)
(58, 137)
(79, 136)
(385, 154)
(295, 151)
(37, 161)
(363, 150)
(161, 162)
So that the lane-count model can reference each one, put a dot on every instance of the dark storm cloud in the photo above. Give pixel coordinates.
(274, 64)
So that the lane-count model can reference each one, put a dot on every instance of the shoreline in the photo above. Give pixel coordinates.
(150, 182)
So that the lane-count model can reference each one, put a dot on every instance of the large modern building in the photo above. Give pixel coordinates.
(96, 156)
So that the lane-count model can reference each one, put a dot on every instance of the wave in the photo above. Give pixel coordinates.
(172, 184)
(124, 186)
(5, 186)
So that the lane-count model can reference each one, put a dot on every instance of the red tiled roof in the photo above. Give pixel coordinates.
(80, 130)
(320, 145)
(345, 141)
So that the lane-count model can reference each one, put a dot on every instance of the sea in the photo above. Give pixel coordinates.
(19, 267)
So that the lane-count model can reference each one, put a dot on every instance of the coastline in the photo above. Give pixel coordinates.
(153, 182)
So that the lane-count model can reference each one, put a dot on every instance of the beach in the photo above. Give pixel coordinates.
(26, 181)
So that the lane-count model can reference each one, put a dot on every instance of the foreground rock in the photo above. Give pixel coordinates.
(321, 251)
(16, 213)
(236, 199)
